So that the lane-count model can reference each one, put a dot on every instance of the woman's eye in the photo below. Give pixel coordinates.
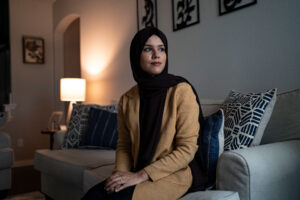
(147, 49)
(161, 49)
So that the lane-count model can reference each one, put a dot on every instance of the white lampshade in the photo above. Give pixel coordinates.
(72, 89)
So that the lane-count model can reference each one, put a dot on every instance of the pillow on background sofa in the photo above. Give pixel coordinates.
(285, 120)
(246, 116)
(79, 122)
(212, 144)
(101, 131)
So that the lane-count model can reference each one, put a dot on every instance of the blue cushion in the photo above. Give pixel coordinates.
(212, 144)
(102, 129)
(77, 126)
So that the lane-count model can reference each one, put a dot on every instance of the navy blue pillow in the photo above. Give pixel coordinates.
(102, 129)
(212, 144)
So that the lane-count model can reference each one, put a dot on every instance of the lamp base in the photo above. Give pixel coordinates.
(70, 111)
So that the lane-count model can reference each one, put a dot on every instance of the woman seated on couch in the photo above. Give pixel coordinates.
(158, 126)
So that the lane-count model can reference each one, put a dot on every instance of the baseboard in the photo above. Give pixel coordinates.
(23, 163)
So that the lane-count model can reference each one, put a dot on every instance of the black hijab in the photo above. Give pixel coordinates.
(153, 91)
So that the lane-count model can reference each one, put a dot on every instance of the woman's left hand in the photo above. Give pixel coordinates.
(120, 180)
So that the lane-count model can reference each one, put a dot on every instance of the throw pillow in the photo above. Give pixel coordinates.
(246, 116)
(212, 144)
(285, 120)
(79, 122)
(102, 129)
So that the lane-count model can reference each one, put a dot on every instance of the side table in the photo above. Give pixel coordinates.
(51, 133)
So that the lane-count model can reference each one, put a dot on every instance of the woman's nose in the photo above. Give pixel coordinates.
(155, 54)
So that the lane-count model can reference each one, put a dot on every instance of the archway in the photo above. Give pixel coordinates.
(59, 58)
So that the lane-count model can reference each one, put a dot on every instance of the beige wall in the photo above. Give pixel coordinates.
(72, 50)
(106, 28)
(32, 85)
(250, 50)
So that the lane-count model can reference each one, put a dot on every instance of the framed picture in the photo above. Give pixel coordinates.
(33, 50)
(146, 13)
(55, 120)
(185, 13)
(227, 6)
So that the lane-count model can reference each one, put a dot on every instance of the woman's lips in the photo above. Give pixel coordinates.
(156, 63)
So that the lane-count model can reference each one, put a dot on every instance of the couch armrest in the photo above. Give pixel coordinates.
(59, 138)
(4, 140)
(267, 172)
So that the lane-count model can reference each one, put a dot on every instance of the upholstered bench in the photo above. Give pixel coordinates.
(6, 163)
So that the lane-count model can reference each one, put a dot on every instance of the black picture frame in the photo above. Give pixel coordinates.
(33, 50)
(185, 13)
(146, 13)
(227, 6)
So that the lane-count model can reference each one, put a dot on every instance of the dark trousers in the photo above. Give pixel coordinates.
(98, 192)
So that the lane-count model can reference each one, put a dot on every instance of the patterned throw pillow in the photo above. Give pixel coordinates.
(79, 122)
(212, 144)
(246, 116)
(102, 130)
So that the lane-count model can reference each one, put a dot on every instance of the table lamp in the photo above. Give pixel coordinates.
(72, 90)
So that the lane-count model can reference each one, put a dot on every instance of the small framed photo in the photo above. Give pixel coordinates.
(146, 13)
(227, 6)
(185, 13)
(55, 120)
(33, 50)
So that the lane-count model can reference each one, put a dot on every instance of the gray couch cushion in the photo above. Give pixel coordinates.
(212, 195)
(4, 140)
(68, 165)
(284, 123)
(5, 179)
(6, 158)
(94, 176)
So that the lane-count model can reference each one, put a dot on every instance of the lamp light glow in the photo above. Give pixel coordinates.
(72, 89)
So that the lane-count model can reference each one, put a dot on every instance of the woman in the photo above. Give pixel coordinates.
(158, 126)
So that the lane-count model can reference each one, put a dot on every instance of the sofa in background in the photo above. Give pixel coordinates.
(268, 171)
(6, 162)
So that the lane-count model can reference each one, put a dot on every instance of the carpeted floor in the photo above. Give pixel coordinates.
(24, 180)
(26, 184)
(27, 196)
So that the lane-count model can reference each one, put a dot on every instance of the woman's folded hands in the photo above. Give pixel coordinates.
(121, 180)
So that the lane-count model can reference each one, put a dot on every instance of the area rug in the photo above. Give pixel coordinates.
(27, 196)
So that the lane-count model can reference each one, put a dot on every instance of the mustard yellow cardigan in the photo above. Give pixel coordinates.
(170, 175)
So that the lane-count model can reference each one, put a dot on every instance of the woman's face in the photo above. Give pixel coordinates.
(153, 56)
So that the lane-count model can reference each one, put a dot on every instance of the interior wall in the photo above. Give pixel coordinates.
(59, 63)
(105, 29)
(72, 50)
(32, 84)
(250, 50)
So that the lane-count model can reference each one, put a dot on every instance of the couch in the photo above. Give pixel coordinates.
(269, 171)
(6, 162)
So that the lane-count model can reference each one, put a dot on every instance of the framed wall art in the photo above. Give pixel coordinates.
(33, 50)
(227, 6)
(185, 13)
(55, 120)
(146, 13)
